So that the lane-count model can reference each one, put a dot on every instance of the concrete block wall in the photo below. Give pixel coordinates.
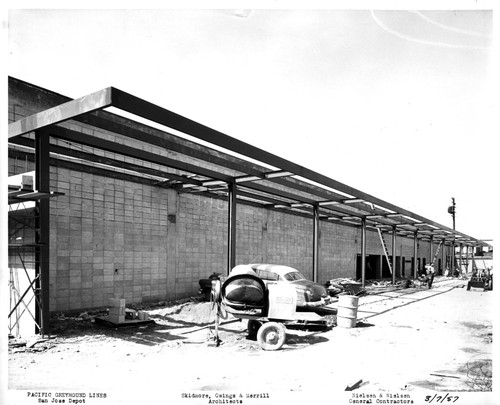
(116, 239)
(251, 235)
(289, 241)
(338, 247)
(201, 240)
(276, 237)
(108, 240)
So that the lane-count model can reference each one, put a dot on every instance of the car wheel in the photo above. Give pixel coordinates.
(271, 336)
(253, 327)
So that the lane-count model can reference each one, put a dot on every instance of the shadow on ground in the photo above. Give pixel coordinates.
(162, 330)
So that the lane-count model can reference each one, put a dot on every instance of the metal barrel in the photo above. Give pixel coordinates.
(347, 311)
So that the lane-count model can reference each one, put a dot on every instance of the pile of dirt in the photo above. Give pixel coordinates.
(193, 311)
(185, 316)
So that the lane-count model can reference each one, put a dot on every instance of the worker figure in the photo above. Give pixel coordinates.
(427, 275)
(430, 274)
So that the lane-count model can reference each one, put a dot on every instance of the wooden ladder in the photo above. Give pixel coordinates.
(436, 254)
(384, 246)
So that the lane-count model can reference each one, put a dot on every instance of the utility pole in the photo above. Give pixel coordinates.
(451, 210)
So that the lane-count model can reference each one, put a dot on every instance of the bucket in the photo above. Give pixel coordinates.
(347, 311)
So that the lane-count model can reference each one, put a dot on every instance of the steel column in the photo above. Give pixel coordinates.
(415, 252)
(467, 256)
(42, 233)
(443, 259)
(471, 258)
(315, 242)
(393, 255)
(453, 258)
(363, 251)
(431, 249)
(231, 223)
(460, 257)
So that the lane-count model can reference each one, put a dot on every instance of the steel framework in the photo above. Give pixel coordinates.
(229, 168)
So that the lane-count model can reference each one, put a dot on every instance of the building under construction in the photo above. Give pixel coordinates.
(103, 206)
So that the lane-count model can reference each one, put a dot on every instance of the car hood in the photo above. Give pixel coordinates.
(316, 289)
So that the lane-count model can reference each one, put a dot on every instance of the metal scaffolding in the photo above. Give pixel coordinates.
(28, 253)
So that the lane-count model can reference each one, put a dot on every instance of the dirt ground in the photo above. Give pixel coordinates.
(408, 344)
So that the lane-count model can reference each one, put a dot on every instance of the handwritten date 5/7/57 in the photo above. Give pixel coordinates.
(441, 399)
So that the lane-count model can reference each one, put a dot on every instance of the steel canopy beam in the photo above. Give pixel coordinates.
(147, 110)
(129, 151)
(112, 97)
(68, 153)
(71, 109)
(139, 131)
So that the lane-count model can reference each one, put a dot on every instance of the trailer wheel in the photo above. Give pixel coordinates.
(253, 327)
(271, 336)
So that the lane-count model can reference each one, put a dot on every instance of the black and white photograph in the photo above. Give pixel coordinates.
(248, 202)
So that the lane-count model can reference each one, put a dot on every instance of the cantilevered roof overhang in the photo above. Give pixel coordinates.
(262, 177)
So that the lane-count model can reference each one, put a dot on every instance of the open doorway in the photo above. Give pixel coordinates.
(372, 269)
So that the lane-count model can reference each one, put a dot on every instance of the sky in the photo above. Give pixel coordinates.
(395, 103)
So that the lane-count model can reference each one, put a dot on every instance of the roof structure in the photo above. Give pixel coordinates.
(262, 178)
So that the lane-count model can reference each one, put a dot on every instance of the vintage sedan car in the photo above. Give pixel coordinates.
(310, 295)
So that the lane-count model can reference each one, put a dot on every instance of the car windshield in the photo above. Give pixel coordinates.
(293, 276)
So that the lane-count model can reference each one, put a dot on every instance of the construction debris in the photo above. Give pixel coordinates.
(33, 342)
(120, 315)
(339, 286)
(16, 342)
